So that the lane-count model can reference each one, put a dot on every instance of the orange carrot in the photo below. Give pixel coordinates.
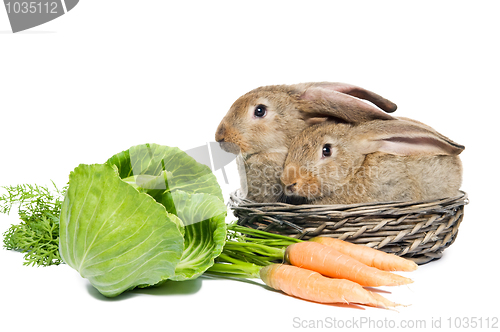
(331, 263)
(312, 286)
(383, 300)
(369, 256)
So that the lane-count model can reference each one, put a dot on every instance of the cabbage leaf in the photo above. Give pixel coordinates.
(115, 236)
(149, 214)
(187, 189)
(203, 216)
(146, 161)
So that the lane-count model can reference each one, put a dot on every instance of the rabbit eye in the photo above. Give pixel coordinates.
(260, 111)
(327, 150)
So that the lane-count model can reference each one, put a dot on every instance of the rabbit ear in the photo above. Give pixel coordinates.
(356, 91)
(339, 100)
(405, 138)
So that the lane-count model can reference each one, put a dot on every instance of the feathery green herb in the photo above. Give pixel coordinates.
(38, 233)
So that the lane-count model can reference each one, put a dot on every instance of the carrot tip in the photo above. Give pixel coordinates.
(382, 302)
(369, 256)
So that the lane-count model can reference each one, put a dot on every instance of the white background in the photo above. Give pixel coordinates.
(112, 74)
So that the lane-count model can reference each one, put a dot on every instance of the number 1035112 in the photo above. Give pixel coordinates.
(31, 7)
(473, 322)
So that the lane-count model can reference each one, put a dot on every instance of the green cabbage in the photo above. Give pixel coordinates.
(149, 214)
(204, 216)
(147, 162)
(115, 236)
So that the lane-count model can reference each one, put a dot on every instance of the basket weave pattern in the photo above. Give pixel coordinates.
(419, 231)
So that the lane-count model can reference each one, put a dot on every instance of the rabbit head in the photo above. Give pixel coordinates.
(268, 118)
(393, 160)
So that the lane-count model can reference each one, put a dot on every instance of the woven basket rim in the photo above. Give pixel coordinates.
(238, 202)
(418, 230)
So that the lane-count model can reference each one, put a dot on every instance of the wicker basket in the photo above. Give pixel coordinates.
(419, 231)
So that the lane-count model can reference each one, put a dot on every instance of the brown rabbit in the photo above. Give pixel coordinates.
(396, 160)
(261, 124)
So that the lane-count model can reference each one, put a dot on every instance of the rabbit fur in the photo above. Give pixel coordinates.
(263, 141)
(376, 161)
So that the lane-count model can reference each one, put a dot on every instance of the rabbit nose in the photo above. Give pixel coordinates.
(291, 187)
(219, 134)
(290, 178)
